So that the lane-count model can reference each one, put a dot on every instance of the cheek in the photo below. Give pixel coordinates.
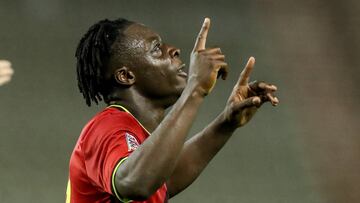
(160, 68)
(159, 77)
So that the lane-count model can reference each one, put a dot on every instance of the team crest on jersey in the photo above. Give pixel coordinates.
(131, 141)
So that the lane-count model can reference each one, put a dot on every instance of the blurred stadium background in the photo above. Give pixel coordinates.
(305, 150)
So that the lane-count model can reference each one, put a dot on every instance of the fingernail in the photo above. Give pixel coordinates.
(271, 87)
(275, 101)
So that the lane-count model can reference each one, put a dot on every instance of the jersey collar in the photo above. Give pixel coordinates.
(127, 111)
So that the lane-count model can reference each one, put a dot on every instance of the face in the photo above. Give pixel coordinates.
(158, 70)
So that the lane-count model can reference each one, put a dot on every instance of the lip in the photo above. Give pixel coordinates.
(181, 72)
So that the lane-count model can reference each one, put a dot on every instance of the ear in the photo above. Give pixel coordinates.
(124, 76)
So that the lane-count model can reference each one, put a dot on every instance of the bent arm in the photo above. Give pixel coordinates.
(198, 152)
(147, 168)
(242, 104)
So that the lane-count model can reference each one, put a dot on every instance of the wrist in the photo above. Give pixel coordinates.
(194, 86)
(223, 124)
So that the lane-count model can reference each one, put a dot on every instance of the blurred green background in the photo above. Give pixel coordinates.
(306, 150)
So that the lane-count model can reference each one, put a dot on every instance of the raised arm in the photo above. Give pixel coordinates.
(242, 104)
(147, 168)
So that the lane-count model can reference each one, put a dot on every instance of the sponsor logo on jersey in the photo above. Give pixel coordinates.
(131, 141)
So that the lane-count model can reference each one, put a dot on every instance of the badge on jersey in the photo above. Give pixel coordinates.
(131, 141)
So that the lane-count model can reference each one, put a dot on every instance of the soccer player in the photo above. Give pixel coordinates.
(131, 151)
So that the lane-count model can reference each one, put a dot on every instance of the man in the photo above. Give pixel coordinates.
(131, 151)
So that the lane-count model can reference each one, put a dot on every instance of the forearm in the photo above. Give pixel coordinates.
(198, 152)
(154, 161)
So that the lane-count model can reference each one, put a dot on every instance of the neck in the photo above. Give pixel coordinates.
(145, 110)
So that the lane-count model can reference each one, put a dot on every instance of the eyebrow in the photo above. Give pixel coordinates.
(154, 38)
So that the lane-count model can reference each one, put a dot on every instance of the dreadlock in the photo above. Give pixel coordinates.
(93, 53)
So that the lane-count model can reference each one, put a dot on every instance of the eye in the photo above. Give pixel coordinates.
(157, 47)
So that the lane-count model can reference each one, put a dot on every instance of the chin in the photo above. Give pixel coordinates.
(171, 100)
(180, 89)
(172, 94)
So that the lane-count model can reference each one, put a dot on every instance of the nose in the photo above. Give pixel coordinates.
(174, 52)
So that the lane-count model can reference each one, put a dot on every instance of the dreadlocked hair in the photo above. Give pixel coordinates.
(93, 53)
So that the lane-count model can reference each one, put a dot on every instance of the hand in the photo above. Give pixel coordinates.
(206, 64)
(5, 72)
(247, 97)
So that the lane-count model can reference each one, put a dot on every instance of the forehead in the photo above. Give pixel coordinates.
(141, 32)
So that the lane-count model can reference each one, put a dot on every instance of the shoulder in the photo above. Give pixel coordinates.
(111, 118)
(108, 122)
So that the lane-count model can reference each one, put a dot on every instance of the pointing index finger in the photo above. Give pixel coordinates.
(245, 74)
(201, 38)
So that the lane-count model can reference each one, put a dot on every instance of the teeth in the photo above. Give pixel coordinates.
(181, 69)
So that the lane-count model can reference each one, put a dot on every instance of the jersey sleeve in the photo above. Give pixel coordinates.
(106, 154)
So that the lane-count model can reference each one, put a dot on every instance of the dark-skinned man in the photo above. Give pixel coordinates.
(132, 151)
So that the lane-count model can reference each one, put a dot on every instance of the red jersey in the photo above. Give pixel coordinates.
(105, 142)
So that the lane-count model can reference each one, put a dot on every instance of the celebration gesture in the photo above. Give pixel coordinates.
(206, 64)
(247, 97)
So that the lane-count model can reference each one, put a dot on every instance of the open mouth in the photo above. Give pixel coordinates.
(181, 71)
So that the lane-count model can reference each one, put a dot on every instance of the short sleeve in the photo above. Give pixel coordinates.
(105, 154)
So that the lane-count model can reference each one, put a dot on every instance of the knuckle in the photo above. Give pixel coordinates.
(217, 50)
(262, 85)
(201, 52)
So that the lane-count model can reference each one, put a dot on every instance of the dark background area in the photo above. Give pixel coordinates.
(305, 150)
